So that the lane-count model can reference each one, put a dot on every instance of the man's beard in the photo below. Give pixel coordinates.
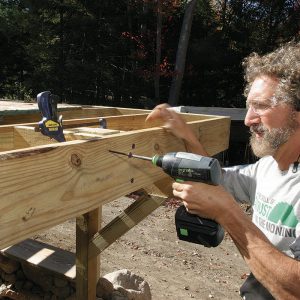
(271, 139)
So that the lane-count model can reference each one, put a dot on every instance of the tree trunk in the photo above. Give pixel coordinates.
(158, 51)
(61, 52)
(181, 52)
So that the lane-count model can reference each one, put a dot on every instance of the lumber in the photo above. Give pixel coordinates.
(130, 217)
(87, 269)
(46, 185)
(30, 113)
(41, 255)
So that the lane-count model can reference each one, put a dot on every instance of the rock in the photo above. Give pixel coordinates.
(19, 285)
(72, 297)
(38, 276)
(10, 278)
(10, 294)
(118, 295)
(64, 292)
(133, 286)
(7, 265)
(2, 287)
(28, 285)
(20, 275)
(104, 288)
(60, 282)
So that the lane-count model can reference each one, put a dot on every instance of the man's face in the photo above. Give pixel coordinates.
(271, 123)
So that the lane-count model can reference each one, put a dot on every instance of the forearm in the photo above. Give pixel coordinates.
(279, 273)
(192, 143)
(194, 146)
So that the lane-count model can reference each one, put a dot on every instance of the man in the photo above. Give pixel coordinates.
(270, 244)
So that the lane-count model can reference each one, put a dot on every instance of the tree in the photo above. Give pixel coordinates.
(181, 52)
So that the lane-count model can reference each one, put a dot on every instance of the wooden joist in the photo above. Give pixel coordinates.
(12, 113)
(46, 185)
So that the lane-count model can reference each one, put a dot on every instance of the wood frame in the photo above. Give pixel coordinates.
(44, 183)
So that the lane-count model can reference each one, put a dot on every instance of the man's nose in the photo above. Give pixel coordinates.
(251, 117)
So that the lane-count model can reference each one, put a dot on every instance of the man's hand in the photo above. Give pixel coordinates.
(172, 121)
(175, 124)
(209, 201)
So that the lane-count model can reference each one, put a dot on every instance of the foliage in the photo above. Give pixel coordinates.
(103, 52)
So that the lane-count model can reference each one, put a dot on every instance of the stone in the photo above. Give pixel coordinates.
(38, 276)
(72, 297)
(19, 285)
(13, 295)
(119, 295)
(63, 292)
(10, 278)
(20, 274)
(60, 282)
(104, 288)
(28, 285)
(47, 296)
(7, 265)
(132, 285)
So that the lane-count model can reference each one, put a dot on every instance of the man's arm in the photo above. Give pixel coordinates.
(279, 273)
(174, 123)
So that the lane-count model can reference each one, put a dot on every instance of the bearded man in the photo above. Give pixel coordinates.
(270, 244)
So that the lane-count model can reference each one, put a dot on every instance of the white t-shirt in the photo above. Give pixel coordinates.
(275, 199)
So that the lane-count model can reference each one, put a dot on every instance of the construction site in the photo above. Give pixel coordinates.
(72, 211)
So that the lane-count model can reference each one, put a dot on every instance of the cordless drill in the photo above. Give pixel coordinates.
(183, 166)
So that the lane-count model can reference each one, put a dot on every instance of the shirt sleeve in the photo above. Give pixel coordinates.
(295, 248)
(240, 182)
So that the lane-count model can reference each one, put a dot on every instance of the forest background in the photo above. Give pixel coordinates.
(137, 53)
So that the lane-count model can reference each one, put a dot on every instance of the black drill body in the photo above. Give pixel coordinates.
(183, 166)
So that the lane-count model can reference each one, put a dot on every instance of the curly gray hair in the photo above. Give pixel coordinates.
(284, 64)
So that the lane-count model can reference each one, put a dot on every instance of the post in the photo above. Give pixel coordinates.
(87, 269)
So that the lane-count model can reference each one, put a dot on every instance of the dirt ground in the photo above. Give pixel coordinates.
(175, 270)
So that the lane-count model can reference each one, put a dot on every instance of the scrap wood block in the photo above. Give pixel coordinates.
(55, 260)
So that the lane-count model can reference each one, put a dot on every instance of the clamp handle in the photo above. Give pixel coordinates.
(50, 125)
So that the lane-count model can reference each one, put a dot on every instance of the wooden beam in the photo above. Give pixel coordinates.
(6, 138)
(130, 217)
(33, 115)
(87, 267)
(118, 122)
(53, 259)
(44, 186)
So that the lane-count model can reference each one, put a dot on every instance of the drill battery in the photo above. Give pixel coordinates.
(194, 229)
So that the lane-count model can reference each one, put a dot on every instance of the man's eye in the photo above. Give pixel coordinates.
(261, 106)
